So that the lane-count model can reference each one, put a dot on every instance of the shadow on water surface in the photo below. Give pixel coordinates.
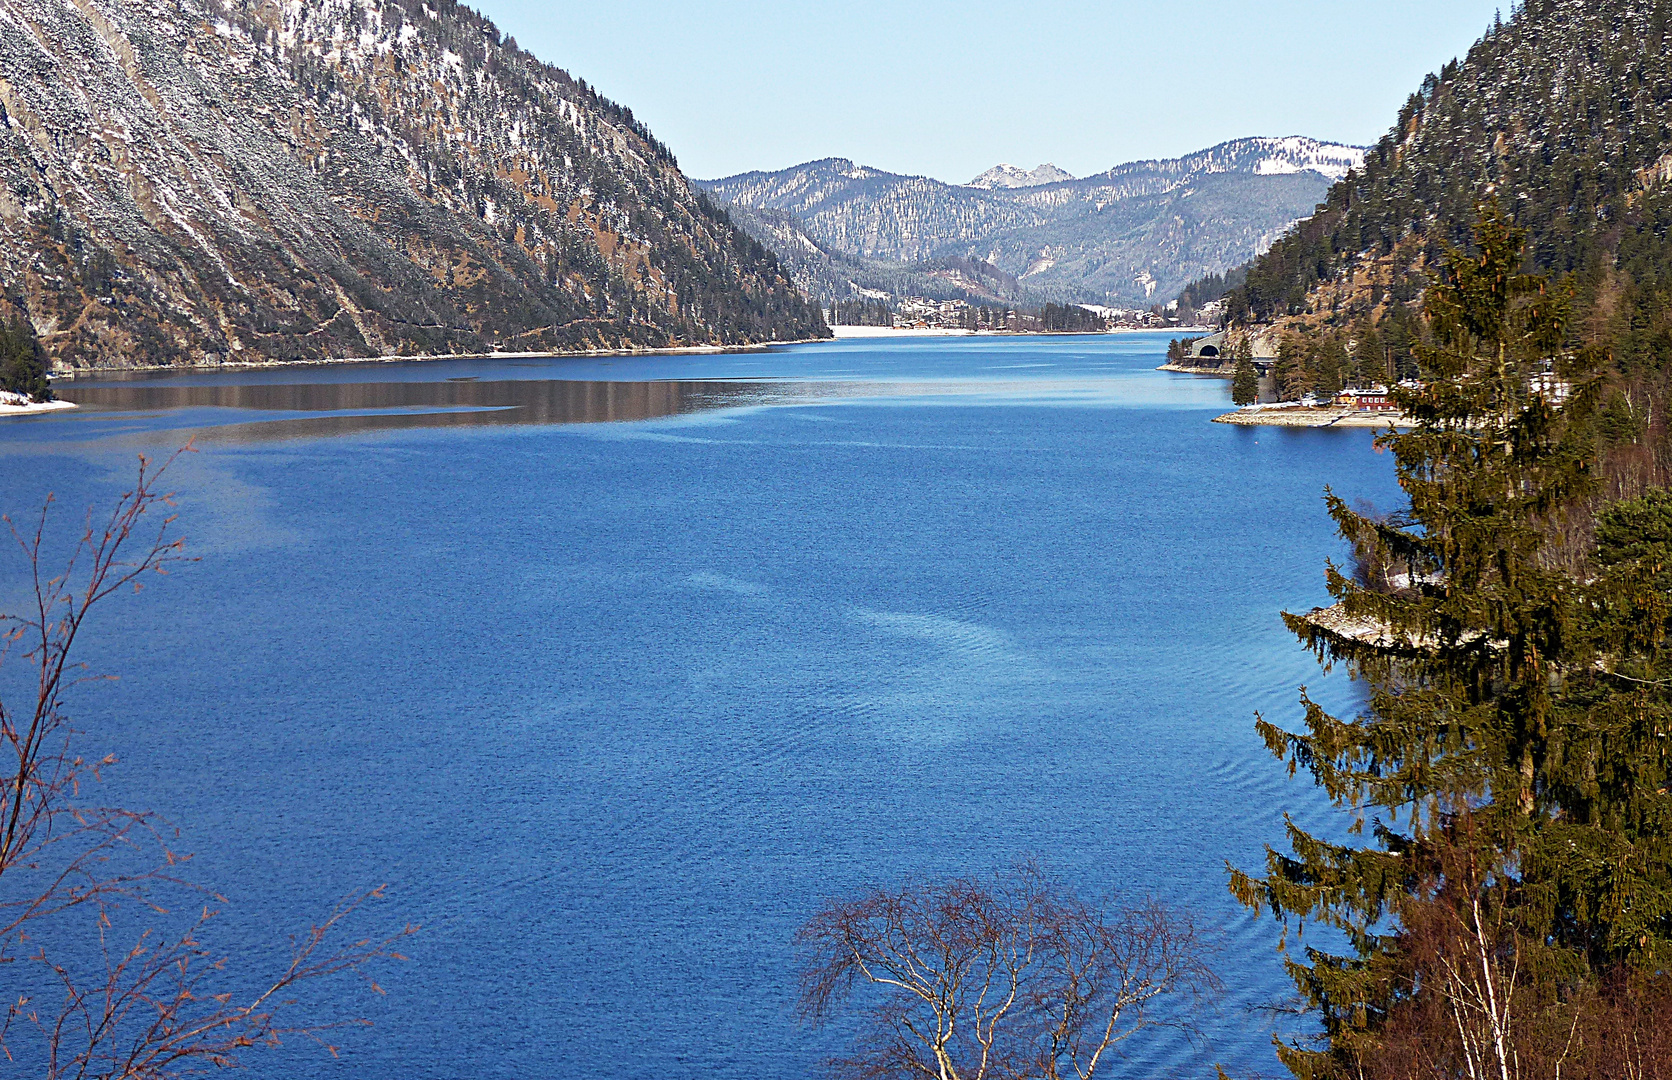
(221, 411)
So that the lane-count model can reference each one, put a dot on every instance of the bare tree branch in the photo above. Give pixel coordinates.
(151, 1010)
(993, 979)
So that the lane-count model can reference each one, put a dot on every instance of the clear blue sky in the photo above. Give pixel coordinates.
(948, 89)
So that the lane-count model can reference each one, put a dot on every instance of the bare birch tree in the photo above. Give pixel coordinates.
(100, 987)
(994, 979)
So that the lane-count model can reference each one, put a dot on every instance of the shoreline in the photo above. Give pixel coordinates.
(838, 333)
(396, 358)
(1313, 418)
(849, 333)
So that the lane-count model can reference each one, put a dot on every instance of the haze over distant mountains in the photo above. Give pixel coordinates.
(1134, 234)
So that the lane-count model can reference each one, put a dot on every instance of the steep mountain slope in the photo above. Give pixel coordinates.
(1125, 235)
(249, 180)
(1564, 114)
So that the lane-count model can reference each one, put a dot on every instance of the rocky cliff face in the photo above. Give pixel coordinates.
(1136, 233)
(209, 181)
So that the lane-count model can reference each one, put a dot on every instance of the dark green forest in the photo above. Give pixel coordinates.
(1213, 287)
(1066, 318)
(861, 313)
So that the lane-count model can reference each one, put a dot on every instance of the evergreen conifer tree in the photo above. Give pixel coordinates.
(1245, 384)
(1513, 759)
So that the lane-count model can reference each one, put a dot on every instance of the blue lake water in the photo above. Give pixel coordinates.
(613, 669)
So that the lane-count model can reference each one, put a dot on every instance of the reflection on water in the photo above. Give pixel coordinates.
(311, 401)
(221, 410)
(349, 407)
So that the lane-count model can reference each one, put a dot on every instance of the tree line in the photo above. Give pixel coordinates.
(1052, 318)
(1067, 318)
(1362, 355)
(1202, 292)
(864, 312)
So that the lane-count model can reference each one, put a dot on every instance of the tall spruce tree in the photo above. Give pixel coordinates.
(1245, 383)
(1512, 761)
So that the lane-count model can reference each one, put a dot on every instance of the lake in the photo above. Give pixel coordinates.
(613, 668)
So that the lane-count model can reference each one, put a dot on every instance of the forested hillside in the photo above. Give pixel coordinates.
(187, 183)
(1132, 235)
(830, 276)
(1563, 114)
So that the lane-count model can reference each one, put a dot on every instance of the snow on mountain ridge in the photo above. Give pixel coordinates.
(1296, 154)
(1260, 156)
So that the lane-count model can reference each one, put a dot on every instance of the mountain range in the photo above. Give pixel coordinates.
(1130, 235)
(186, 182)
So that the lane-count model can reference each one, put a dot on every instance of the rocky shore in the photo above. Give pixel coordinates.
(1219, 372)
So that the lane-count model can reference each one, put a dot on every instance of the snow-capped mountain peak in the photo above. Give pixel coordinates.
(1009, 176)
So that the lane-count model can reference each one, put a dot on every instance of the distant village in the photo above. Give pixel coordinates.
(922, 313)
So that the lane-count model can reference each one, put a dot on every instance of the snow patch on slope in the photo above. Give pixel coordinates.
(1285, 157)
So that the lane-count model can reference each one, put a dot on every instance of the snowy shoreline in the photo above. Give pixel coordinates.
(1186, 369)
(1298, 416)
(20, 405)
